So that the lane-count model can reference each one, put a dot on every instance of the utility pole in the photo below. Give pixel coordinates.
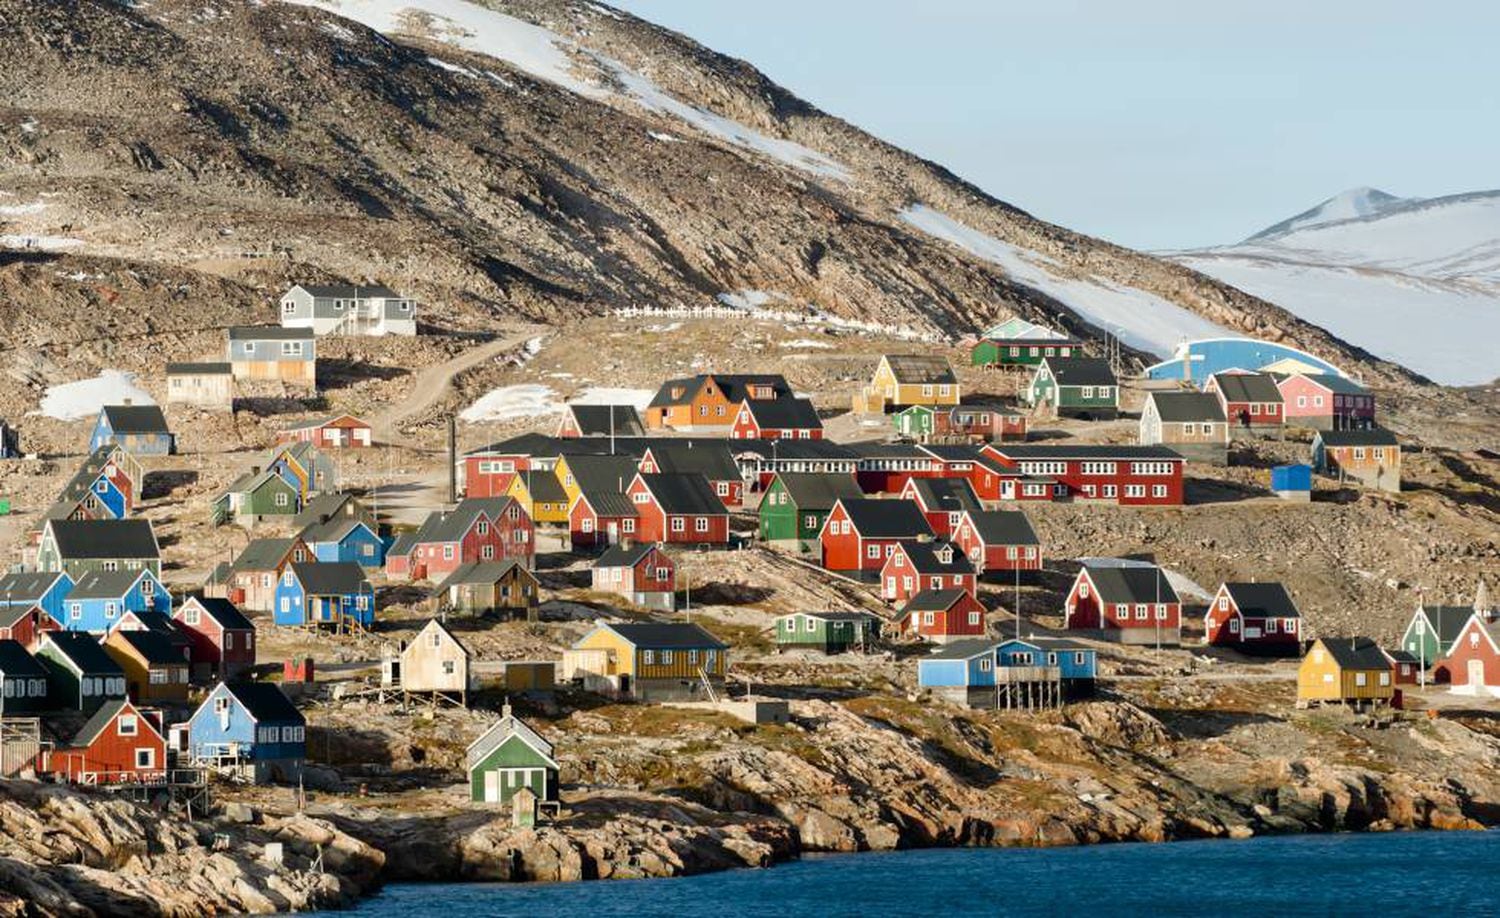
(452, 459)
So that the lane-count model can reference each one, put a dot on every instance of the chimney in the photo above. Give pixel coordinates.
(126, 402)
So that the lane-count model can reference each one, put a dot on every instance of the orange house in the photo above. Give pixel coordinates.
(710, 400)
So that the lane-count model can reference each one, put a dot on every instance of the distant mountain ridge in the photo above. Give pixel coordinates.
(1350, 205)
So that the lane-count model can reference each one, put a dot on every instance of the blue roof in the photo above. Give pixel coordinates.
(1214, 355)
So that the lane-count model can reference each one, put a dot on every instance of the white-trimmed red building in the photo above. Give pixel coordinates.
(711, 459)
(478, 529)
(915, 566)
(1127, 601)
(1256, 618)
(942, 617)
(336, 432)
(643, 574)
(1125, 475)
(1472, 666)
(943, 501)
(860, 534)
(679, 508)
(119, 744)
(599, 518)
(1251, 401)
(777, 419)
(998, 541)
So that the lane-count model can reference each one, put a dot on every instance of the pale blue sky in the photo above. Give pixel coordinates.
(1156, 124)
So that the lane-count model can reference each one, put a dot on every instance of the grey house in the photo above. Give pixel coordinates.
(287, 355)
(344, 309)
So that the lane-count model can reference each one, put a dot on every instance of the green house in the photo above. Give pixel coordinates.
(507, 757)
(1019, 343)
(80, 546)
(830, 632)
(1430, 634)
(1075, 387)
(796, 504)
(257, 494)
(916, 422)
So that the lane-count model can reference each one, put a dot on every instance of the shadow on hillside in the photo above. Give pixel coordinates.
(342, 373)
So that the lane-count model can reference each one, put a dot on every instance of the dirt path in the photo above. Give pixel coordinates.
(432, 383)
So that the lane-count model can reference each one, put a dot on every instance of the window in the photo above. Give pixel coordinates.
(1359, 679)
(663, 574)
(282, 499)
(1159, 490)
(448, 667)
(127, 725)
(926, 391)
(1140, 611)
(1083, 589)
(158, 677)
(229, 640)
(701, 524)
(810, 625)
(291, 348)
(487, 552)
(722, 488)
(927, 618)
(974, 618)
(1078, 658)
(75, 611)
(984, 664)
(679, 524)
(648, 657)
(666, 658)
(145, 757)
(1135, 490)
(872, 551)
(1086, 392)
(1161, 612)
(1385, 678)
(1318, 401)
(110, 609)
(1234, 626)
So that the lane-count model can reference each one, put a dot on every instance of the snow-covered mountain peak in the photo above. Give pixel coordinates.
(1349, 205)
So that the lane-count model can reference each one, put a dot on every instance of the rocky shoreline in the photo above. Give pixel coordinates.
(836, 780)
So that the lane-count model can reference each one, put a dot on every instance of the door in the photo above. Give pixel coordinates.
(1007, 490)
(612, 532)
(492, 787)
(1476, 673)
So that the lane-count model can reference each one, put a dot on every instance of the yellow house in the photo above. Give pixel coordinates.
(541, 495)
(156, 670)
(648, 661)
(1350, 670)
(902, 380)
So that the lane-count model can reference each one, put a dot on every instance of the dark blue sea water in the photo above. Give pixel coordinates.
(1408, 873)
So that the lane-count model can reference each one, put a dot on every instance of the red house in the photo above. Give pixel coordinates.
(1326, 402)
(710, 458)
(643, 574)
(1125, 475)
(601, 518)
(478, 529)
(917, 566)
(883, 468)
(678, 508)
(1256, 618)
(1406, 668)
(943, 501)
(1472, 666)
(120, 744)
(1250, 400)
(998, 540)
(489, 470)
(978, 424)
(1128, 601)
(860, 534)
(778, 419)
(222, 638)
(337, 432)
(941, 617)
(25, 624)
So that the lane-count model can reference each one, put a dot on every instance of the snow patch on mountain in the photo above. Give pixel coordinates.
(1142, 320)
(1350, 205)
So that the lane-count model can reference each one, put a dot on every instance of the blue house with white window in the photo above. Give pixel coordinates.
(47, 590)
(963, 671)
(250, 729)
(138, 429)
(1074, 662)
(100, 598)
(345, 539)
(335, 593)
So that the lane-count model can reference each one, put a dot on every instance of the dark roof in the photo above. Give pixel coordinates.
(199, 369)
(480, 572)
(954, 495)
(1356, 653)
(402, 544)
(1145, 583)
(1375, 436)
(269, 333)
(1398, 655)
(224, 612)
(1032, 451)
(612, 503)
(324, 578)
(136, 419)
(265, 701)
(926, 557)
(811, 491)
(1342, 385)
(103, 718)
(879, 449)
(963, 650)
(595, 420)
(263, 554)
(785, 413)
(954, 452)
(840, 616)
(104, 584)
(156, 648)
(351, 291)
(1004, 527)
(933, 601)
(27, 586)
(328, 506)
(602, 473)
(668, 635)
(449, 525)
(102, 539)
(1053, 640)
(886, 519)
(16, 662)
(331, 530)
(526, 444)
(790, 450)
(1447, 622)
(85, 651)
(623, 555)
(1187, 406)
(684, 494)
(921, 369)
(1266, 599)
(1247, 387)
(709, 458)
(544, 487)
(10, 615)
(322, 421)
(734, 386)
(1081, 371)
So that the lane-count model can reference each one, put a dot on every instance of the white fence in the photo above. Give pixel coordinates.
(757, 313)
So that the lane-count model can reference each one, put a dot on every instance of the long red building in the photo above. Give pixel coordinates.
(1125, 475)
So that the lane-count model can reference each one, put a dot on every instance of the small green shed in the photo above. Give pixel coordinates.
(830, 632)
(916, 422)
(507, 757)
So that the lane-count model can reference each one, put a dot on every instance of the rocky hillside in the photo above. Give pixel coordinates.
(531, 159)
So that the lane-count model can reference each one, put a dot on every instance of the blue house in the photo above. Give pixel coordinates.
(250, 729)
(138, 429)
(963, 671)
(100, 489)
(100, 598)
(345, 539)
(47, 589)
(1074, 661)
(333, 593)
